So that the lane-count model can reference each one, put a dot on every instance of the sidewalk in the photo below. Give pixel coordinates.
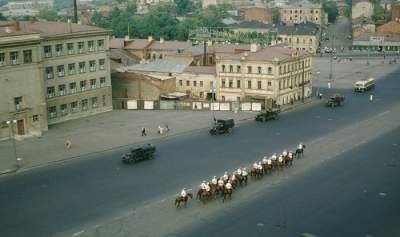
(108, 131)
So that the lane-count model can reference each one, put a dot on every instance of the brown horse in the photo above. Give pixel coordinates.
(219, 189)
(227, 193)
(204, 195)
(242, 179)
(180, 199)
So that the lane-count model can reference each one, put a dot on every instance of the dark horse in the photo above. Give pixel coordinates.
(204, 195)
(300, 151)
(180, 199)
(242, 179)
(227, 193)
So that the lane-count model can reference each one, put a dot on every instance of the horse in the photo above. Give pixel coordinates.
(227, 192)
(180, 199)
(219, 189)
(300, 151)
(234, 182)
(203, 195)
(288, 161)
(280, 164)
(242, 179)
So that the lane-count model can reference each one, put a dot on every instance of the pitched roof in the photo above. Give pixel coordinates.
(251, 25)
(138, 44)
(170, 45)
(308, 28)
(210, 70)
(117, 43)
(228, 48)
(161, 65)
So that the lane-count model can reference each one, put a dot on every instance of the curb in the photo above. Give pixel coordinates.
(71, 158)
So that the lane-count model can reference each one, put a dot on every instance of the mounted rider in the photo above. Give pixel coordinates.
(280, 159)
(290, 155)
(259, 166)
(203, 185)
(273, 157)
(233, 177)
(244, 172)
(214, 180)
(255, 165)
(208, 188)
(183, 193)
(300, 146)
(228, 185)
(284, 153)
(221, 182)
(225, 177)
(239, 171)
(265, 160)
(269, 162)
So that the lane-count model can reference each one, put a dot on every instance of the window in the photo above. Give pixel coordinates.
(180, 83)
(102, 81)
(14, 58)
(259, 85)
(74, 107)
(93, 83)
(223, 98)
(61, 70)
(230, 83)
(92, 65)
(238, 69)
(249, 69)
(238, 83)
(223, 68)
(82, 85)
(61, 90)
(93, 101)
(100, 44)
(194, 83)
(230, 68)
(269, 83)
(52, 111)
(63, 109)
(81, 47)
(102, 63)
(2, 59)
(201, 83)
(90, 45)
(316, 11)
(18, 103)
(70, 48)
(27, 56)
(49, 72)
(84, 104)
(259, 70)
(223, 83)
(71, 68)
(104, 100)
(50, 92)
(72, 87)
(201, 94)
(249, 84)
(59, 49)
(187, 83)
(35, 118)
(47, 51)
(82, 68)
(269, 70)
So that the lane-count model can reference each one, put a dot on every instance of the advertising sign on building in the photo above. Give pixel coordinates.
(214, 106)
(246, 106)
(224, 106)
(256, 106)
(132, 104)
(148, 104)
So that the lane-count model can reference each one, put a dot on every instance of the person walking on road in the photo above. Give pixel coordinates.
(144, 132)
(68, 144)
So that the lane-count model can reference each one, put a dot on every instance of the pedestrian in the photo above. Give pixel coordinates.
(68, 144)
(371, 98)
(167, 128)
(159, 130)
(144, 131)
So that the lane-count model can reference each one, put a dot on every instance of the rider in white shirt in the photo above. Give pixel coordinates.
(214, 180)
(183, 193)
(220, 182)
(300, 146)
(225, 177)
(269, 162)
(208, 187)
(239, 171)
(284, 153)
(228, 185)
(203, 185)
(244, 172)
(273, 156)
(259, 166)
(265, 160)
(290, 154)
(233, 177)
(280, 159)
(255, 165)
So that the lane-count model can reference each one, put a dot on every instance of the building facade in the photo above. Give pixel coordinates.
(198, 82)
(297, 13)
(21, 85)
(362, 8)
(272, 73)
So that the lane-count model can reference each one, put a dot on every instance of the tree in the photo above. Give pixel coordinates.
(332, 10)
(48, 14)
(2, 18)
(379, 13)
(183, 7)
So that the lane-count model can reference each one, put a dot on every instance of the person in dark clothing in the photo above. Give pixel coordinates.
(144, 131)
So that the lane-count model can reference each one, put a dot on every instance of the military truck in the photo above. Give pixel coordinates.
(222, 126)
(144, 152)
(335, 100)
(266, 115)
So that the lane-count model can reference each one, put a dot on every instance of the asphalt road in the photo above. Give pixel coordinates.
(47, 201)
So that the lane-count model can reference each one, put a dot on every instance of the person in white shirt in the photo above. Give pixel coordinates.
(225, 177)
(300, 146)
(265, 160)
(269, 162)
(221, 182)
(233, 177)
(273, 156)
(203, 185)
(228, 186)
(239, 171)
(255, 165)
(183, 193)
(208, 188)
(244, 172)
(284, 153)
(259, 166)
(280, 159)
(214, 180)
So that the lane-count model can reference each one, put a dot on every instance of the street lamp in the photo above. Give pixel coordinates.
(318, 72)
(330, 60)
(11, 123)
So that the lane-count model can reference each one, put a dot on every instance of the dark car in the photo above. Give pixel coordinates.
(140, 153)
(335, 100)
(267, 115)
(222, 126)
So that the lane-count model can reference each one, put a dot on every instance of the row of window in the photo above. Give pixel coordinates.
(238, 84)
(237, 69)
(72, 87)
(194, 83)
(72, 48)
(301, 18)
(290, 83)
(74, 107)
(16, 57)
(300, 11)
(72, 68)
(297, 41)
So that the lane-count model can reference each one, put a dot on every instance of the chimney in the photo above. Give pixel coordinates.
(253, 47)
(150, 38)
(126, 38)
(161, 40)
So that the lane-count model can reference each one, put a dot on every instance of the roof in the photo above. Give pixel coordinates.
(251, 25)
(302, 5)
(117, 43)
(161, 65)
(308, 28)
(228, 48)
(387, 37)
(138, 44)
(170, 45)
(49, 29)
(210, 70)
(268, 54)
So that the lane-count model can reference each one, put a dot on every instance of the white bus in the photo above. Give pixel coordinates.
(364, 85)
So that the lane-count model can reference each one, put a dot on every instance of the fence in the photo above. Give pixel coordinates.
(187, 105)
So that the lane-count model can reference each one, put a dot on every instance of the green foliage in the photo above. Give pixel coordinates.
(347, 11)
(3, 2)
(48, 14)
(61, 4)
(379, 13)
(332, 10)
(2, 18)
(184, 6)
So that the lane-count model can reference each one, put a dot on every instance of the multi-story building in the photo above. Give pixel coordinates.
(22, 100)
(303, 37)
(361, 8)
(272, 73)
(75, 69)
(296, 13)
(198, 82)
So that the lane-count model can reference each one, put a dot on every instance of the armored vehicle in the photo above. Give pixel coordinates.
(264, 116)
(144, 152)
(222, 126)
(335, 100)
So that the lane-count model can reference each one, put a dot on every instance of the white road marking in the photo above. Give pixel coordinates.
(260, 224)
(78, 233)
(382, 194)
(383, 113)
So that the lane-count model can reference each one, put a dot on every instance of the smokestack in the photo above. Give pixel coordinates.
(75, 12)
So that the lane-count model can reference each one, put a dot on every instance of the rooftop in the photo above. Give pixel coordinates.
(161, 65)
(251, 25)
(308, 28)
(210, 70)
(137, 44)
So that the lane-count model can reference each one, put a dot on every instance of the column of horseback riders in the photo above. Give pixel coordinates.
(226, 184)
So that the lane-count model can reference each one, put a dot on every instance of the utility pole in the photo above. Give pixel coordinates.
(204, 53)
(330, 60)
(369, 46)
(75, 12)
(11, 124)
(302, 88)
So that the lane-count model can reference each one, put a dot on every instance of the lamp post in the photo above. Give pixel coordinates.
(318, 72)
(330, 59)
(11, 123)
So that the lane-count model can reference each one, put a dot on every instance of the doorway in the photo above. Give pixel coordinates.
(20, 127)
